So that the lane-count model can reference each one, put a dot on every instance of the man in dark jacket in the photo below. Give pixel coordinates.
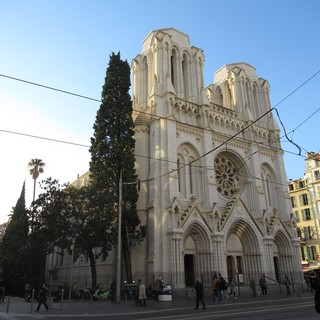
(199, 294)
(315, 285)
(43, 298)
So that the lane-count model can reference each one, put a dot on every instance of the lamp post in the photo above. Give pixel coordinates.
(72, 256)
(118, 282)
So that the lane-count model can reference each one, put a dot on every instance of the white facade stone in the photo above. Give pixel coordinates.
(214, 191)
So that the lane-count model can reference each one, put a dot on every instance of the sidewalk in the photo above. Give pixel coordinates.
(13, 305)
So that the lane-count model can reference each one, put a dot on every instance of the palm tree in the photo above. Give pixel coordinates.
(36, 167)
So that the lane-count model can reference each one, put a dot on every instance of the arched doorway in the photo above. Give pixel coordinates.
(189, 260)
(189, 269)
(234, 257)
(282, 255)
(197, 254)
(243, 253)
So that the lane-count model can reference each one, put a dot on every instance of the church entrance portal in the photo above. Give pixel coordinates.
(189, 269)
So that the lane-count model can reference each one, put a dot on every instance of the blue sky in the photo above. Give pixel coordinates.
(67, 44)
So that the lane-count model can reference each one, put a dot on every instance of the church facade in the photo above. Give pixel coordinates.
(213, 189)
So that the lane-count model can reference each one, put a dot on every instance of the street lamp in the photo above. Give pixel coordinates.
(72, 256)
(118, 282)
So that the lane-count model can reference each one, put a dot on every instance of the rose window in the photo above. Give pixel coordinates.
(227, 176)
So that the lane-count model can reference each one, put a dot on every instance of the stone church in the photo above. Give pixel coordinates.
(213, 189)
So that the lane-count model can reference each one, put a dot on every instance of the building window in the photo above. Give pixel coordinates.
(301, 184)
(219, 97)
(174, 72)
(303, 256)
(306, 214)
(299, 233)
(293, 202)
(305, 232)
(291, 188)
(316, 175)
(185, 77)
(297, 216)
(304, 199)
(227, 176)
(310, 232)
(189, 173)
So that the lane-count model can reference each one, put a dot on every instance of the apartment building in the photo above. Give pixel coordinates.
(304, 193)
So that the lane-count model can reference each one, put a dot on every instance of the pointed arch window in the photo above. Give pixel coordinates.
(174, 72)
(181, 175)
(270, 188)
(189, 173)
(185, 77)
(248, 94)
(219, 97)
(228, 100)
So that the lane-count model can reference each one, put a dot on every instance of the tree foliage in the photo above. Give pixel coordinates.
(65, 215)
(14, 242)
(112, 153)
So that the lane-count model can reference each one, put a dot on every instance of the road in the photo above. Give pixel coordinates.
(292, 308)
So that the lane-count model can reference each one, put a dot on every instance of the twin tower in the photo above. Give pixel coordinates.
(213, 189)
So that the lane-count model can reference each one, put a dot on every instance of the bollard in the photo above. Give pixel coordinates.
(8, 305)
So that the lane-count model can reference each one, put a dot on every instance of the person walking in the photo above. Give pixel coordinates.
(2, 292)
(263, 285)
(199, 294)
(113, 290)
(232, 289)
(214, 287)
(287, 283)
(157, 287)
(253, 288)
(136, 293)
(43, 298)
(223, 286)
(142, 294)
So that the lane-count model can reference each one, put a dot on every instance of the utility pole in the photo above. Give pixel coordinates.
(118, 283)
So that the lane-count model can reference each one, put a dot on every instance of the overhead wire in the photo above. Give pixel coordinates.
(98, 100)
(48, 87)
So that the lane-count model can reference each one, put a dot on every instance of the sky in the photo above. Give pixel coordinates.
(66, 45)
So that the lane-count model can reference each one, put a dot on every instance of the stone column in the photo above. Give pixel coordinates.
(268, 254)
(219, 263)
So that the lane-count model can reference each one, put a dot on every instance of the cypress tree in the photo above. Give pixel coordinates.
(13, 246)
(112, 154)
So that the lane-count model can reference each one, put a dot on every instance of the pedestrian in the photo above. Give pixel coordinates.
(214, 287)
(42, 298)
(157, 287)
(136, 293)
(2, 292)
(199, 294)
(223, 286)
(263, 285)
(315, 285)
(233, 289)
(219, 288)
(142, 294)
(253, 288)
(287, 283)
(113, 289)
